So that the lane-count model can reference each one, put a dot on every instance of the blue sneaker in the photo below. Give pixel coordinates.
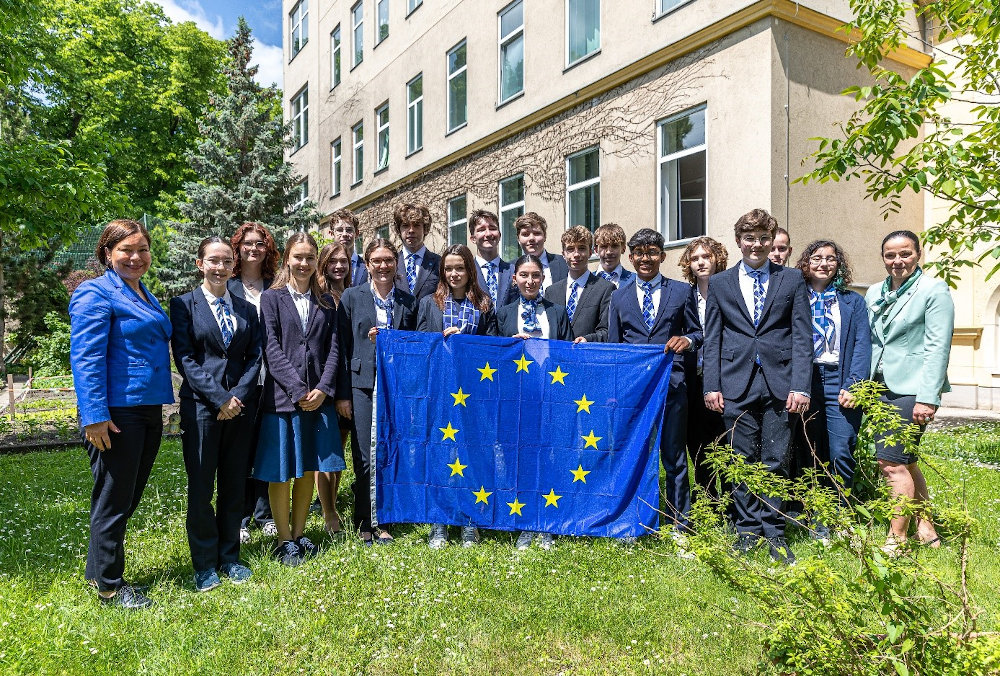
(206, 580)
(236, 572)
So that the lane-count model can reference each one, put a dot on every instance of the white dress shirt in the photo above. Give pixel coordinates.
(546, 275)
(639, 293)
(303, 303)
(580, 281)
(747, 282)
(702, 304)
(405, 254)
(211, 298)
(382, 317)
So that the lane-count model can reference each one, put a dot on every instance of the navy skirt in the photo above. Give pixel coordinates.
(290, 444)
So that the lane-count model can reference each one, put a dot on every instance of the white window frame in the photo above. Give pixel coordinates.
(336, 163)
(661, 160)
(414, 116)
(462, 220)
(298, 26)
(589, 54)
(504, 41)
(381, 150)
(511, 238)
(660, 10)
(573, 187)
(459, 72)
(379, 6)
(358, 152)
(303, 189)
(357, 33)
(299, 114)
(336, 73)
(411, 5)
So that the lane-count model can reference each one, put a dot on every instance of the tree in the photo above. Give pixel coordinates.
(240, 162)
(902, 137)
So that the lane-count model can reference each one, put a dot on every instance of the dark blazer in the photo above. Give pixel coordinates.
(855, 339)
(359, 273)
(236, 288)
(559, 328)
(590, 319)
(676, 315)
(431, 318)
(505, 282)
(296, 363)
(428, 275)
(558, 269)
(356, 316)
(782, 340)
(213, 373)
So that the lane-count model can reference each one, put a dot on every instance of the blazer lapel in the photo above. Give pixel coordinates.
(397, 312)
(776, 274)
(289, 310)
(901, 302)
(202, 312)
(734, 287)
(665, 293)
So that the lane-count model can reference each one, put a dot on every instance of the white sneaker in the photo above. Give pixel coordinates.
(439, 536)
(470, 536)
(269, 529)
(244, 535)
(546, 541)
(524, 540)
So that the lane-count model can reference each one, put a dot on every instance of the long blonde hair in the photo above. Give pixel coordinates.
(284, 276)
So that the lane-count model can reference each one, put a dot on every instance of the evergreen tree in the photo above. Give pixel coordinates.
(242, 173)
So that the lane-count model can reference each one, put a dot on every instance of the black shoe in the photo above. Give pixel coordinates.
(127, 597)
(746, 543)
(288, 553)
(780, 551)
(306, 546)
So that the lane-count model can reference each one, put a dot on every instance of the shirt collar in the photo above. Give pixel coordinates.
(747, 271)
(480, 262)
(580, 281)
(375, 292)
(211, 298)
(617, 271)
(655, 281)
(296, 295)
(419, 253)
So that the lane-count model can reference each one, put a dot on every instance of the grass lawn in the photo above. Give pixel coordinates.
(584, 607)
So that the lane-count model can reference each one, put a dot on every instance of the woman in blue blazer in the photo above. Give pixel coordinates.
(531, 315)
(217, 348)
(841, 357)
(120, 357)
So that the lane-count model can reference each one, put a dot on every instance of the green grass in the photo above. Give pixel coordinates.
(585, 607)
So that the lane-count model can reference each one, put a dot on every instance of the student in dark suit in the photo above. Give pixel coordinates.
(418, 267)
(257, 261)
(842, 353)
(758, 369)
(343, 229)
(364, 311)
(609, 244)
(457, 306)
(702, 258)
(298, 429)
(494, 274)
(652, 309)
(584, 295)
(217, 348)
(531, 232)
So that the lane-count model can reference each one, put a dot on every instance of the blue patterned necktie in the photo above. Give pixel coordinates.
(411, 270)
(647, 304)
(571, 303)
(491, 281)
(758, 293)
(225, 320)
(529, 314)
(824, 331)
(610, 276)
(387, 306)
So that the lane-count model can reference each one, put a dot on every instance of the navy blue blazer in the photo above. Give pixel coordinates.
(235, 287)
(428, 275)
(559, 328)
(590, 319)
(296, 363)
(214, 373)
(431, 318)
(356, 316)
(558, 269)
(505, 282)
(855, 338)
(782, 340)
(676, 315)
(359, 272)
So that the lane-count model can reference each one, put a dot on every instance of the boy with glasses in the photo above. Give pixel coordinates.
(343, 228)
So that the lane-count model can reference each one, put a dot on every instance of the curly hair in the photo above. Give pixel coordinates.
(842, 278)
(754, 221)
(714, 248)
(411, 212)
(271, 256)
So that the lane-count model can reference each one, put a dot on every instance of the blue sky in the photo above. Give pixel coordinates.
(218, 19)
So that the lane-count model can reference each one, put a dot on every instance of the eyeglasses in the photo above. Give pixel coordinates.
(750, 240)
(219, 263)
(376, 262)
(254, 245)
(822, 259)
(649, 254)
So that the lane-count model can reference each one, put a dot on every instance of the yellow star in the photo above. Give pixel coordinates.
(552, 498)
(482, 495)
(580, 474)
(522, 364)
(487, 372)
(558, 376)
(460, 397)
(515, 507)
(590, 439)
(583, 404)
(457, 467)
(449, 433)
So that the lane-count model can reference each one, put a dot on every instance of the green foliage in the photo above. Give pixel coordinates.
(35, 289)
(51, 356)
(902, 137)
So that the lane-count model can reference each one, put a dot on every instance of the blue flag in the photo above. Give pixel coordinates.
(515, 434)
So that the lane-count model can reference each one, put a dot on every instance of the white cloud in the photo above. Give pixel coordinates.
(271, 61)
(191, 10)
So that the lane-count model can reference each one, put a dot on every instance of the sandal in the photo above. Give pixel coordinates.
(933, 543)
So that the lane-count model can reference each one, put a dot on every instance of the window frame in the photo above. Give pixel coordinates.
(358, 152)
(503, 208)
(296, 25)
(336, 165)
(597, 50)
(504, 41)
(459, 72)
(300, 119)
(412, 105)
(336, 57)
(357, 34)
(659, 12)
(661, 160)
(462, 221)
(303, 189)
(379, 38)
(412, 6)
(571, 188)
(379, 128)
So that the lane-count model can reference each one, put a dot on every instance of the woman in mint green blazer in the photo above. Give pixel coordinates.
(912, 318)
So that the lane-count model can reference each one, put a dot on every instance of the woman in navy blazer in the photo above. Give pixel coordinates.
(120, 357)
(841, 357)
(217, 348)
(523, 317)
(298, 429)
(377, 305)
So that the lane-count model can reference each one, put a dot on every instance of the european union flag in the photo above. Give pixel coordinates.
(515, 434)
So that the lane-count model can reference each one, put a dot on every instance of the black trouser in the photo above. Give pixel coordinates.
(120, 476)
(677, 498)
(215, 451)
(361, 440)
(761, 433)
(704, 428)
(256, 505)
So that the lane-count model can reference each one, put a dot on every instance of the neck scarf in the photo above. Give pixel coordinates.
(529, 314)
(824, 331)
(888, 298)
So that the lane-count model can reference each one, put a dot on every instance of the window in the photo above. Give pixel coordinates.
(358, 133)
(300, 118)
(382, 231)
(583, 29)
(358, 28)
(382, 137)
(299, 25)
(511, 206)
(457, 232)
(415, 114)
(301, 193)
(335, 57)
(583, 189)
(412, 5)
(682, 175)
(511, 51)
(457, 79)
(335, 162)
(664, 6)
(382, 21)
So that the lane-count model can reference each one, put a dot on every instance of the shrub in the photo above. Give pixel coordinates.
(51, 355)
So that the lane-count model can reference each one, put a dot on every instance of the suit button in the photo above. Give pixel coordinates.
(302, 342)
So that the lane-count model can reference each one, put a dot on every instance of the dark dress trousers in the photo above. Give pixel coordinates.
(356, 381)
(676, 315)
(590, 319)
(755, 367)
(559, 328)
(428, 274)
(505, 282)
(215, 450)
(431, 318)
